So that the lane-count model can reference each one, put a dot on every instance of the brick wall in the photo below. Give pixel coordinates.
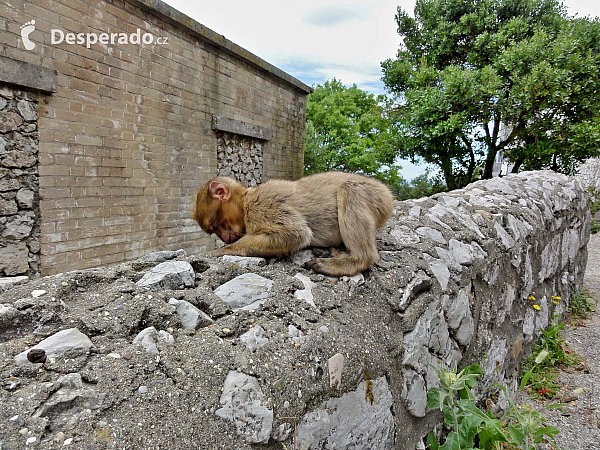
(127, 139)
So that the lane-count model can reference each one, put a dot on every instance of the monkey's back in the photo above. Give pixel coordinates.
(315, 197)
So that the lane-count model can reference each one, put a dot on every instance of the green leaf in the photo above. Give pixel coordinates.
(516, 434)
(432, 442)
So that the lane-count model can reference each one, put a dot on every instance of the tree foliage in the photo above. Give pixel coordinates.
(476, 77)
(347, 129)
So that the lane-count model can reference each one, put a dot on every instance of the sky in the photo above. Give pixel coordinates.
(316, 40)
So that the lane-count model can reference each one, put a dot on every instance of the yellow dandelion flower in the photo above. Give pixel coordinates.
(554, 297)
(531, 297)
(536, 307)
(555, 302)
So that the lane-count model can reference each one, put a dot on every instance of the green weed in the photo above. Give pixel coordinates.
(580, 305)
(519, 428)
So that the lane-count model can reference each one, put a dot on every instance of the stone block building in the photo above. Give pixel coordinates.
(112, 114)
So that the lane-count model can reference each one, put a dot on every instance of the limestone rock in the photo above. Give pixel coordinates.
(169, 275)
(25, 198)
(254, 338)
(242, 402)
(147, 339)
(351, 421)
(19, 227)
(58, 344)
(247, 291)
(162, 256)
(69, 401)
(306, 293)
(191, 317)
(244, 261)
(8, 282)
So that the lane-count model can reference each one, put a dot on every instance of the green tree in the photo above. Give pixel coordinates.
(475, 77)
(423, 185)
(347, 129)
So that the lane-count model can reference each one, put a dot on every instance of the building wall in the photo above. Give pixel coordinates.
(129, 137)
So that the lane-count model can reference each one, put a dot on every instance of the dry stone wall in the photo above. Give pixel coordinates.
(19, 183)
(248, 353)
(240, 157)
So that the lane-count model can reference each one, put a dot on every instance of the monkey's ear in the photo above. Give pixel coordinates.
(219, 191)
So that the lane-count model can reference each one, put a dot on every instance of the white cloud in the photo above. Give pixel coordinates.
(316, 40)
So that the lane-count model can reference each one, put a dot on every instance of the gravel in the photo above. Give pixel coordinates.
(579, 421)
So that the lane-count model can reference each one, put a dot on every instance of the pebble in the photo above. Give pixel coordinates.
(143, 390)
(31, 440)
(23, 431)
(37, 355)
(103, 423)
(68, 441)
(38, 293)
(60, 437)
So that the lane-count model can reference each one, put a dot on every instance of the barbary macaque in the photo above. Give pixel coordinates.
(280, 217)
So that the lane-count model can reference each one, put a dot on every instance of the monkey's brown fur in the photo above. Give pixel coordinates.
(279, 217)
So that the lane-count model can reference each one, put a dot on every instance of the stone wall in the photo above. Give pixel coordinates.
(589, 174)
(128, 137)
(240, 157)
(248, 353)
(19, 183)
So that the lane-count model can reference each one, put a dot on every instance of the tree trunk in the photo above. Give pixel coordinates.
(489, 163)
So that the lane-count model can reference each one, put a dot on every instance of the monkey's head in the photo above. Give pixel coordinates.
(219, 209)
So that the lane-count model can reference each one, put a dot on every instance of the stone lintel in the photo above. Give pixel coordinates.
(237, 127)
(26, 75)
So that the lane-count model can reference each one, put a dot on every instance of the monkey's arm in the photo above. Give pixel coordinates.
(268, 244)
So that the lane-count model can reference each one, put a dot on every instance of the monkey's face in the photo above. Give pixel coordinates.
(223, 218)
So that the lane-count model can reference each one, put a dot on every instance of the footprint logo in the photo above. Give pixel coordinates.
(26, 30)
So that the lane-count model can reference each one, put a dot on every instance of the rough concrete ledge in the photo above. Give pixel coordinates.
(180, 20)
(27, 75)
(241, 128)
(248, 354)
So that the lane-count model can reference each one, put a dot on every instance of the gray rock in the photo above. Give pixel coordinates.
(459, 317)
(296, 335)
(414, 393)
(14, 258)
(162, 256)
(58, 344)
(69, 401)
(419, 283)
(247, 291)
(8, 282)
(147, 339)
(28, 110)
(190, 317)
(431, 234)
(254, 338)
(306, 293)
(242, 402)
(166, 337)
(7, 313)
(244, 262)
(169, 275)
(505, 239)
(8, 207)
(403, 235)
(462, 253)
(19, 227)
(351, 421)
(25, 198)
(302, 257)
(439, 269)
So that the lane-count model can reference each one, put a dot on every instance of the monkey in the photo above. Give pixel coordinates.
(279, 217)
